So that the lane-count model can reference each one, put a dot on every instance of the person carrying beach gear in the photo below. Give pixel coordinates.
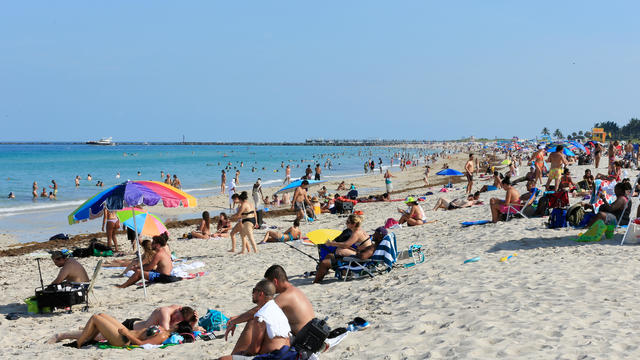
(71, 270)
(271, 330)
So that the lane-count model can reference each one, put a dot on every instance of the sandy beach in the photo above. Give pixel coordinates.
(556, 299)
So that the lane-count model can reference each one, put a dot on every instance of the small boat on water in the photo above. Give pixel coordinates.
(103, 141)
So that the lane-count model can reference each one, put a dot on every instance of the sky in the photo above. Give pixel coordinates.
(293, 70)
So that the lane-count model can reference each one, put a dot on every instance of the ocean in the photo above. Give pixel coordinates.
(197, 166)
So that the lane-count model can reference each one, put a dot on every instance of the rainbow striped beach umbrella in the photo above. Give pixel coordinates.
(132, 193)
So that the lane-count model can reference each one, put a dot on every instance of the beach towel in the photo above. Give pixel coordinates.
(386, 251)
(605, 187)
(479, 222)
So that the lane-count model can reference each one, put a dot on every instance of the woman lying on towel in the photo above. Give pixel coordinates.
(147, 255)
(357, 241)
(293, 233)
(104, 326)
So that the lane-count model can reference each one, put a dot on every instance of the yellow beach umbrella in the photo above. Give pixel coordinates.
(321, 236)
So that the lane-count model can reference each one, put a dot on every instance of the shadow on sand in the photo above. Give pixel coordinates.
(539, 243)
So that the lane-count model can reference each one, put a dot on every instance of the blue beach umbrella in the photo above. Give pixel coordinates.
(578, 145)
(564, 150)
(296, 184)
(449, 172)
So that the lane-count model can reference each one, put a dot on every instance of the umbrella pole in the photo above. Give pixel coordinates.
(135, 229)
(298, 250)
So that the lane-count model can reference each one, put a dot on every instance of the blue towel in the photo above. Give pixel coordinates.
(386, 251)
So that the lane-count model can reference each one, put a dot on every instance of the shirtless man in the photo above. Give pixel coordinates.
(161, 262)
(72, 271)
(468, 172)
(512, 198)
(77, 180)
(287, 178)
(301, 200)
(318, 172)
(293, 302)
(176, 182)
(557, 160)
(270, 330)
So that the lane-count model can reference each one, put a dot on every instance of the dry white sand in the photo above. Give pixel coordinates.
(556, 299)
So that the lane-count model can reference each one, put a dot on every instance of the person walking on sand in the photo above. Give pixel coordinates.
(468, 172)
(237, 178)
(256, 192)
(223, 182)
(318, 171)
(557, 160)
(232, 190)
(426, 175)
(287, 178)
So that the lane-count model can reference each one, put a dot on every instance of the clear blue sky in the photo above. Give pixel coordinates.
(290, 70)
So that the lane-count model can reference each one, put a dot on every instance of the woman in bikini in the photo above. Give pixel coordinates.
(204, 231)
(224, 225)
(358, 241)
(118, 335)
(293, 233)
(566, 181)
(538, 159)
(414, 216)
(111, 220)
(247, 215)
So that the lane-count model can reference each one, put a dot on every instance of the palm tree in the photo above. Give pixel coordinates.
(545, 131)
(558, 134)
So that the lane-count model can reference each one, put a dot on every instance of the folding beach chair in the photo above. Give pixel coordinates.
(383, 259)
(513, 210)
(93, 282)
(633, 228)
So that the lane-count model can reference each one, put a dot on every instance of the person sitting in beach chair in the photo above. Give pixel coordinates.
(512, 198)
(161, 262)
(460, 203)
(357, 240)
(71, 270)
(118, 335)
(293, 233)
(414, 215)
(271, 330)
(616, 211)
(379, 252)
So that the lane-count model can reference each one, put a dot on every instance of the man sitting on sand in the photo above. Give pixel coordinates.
(161, 262)
(270, 330)
(166, 317)
(293, 302)
(72, 270)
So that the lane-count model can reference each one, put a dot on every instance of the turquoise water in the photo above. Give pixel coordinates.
(197, 166)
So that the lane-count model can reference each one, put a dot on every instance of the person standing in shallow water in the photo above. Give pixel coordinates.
(223, 182)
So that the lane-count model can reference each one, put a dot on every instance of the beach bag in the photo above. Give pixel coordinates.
(213, 320)
(558, 218)
(575, 214)
(543, 206)
(310, 339)
(391, 223)
(586, 219)
(60, 236)
(559, 199)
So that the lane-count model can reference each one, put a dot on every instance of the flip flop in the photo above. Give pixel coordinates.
(357, 324)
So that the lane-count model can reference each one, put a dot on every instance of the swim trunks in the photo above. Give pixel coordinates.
(555, 173)
(469, 176)
(155, 276)
(298, 206)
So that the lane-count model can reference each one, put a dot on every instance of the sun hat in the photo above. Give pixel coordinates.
(410, 199)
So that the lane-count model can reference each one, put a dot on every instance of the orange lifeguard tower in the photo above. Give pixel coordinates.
(598, 134)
